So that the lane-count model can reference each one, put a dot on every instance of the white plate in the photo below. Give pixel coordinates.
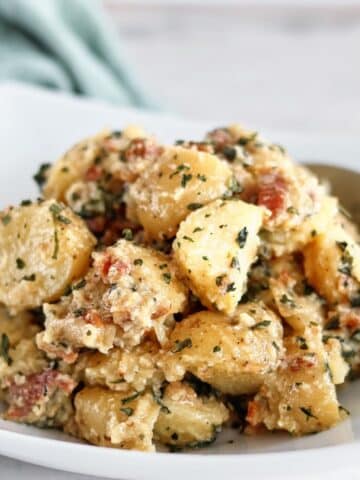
(36, 127)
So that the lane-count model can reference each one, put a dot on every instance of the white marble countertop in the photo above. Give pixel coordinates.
(280, 68)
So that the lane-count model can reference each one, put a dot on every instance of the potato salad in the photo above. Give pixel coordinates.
(155, 294)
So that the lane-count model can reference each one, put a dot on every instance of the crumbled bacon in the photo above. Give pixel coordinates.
(141, 147)
(96, 224)
(272, 192)
(94, 318)
(93, 174)
(220, 137)
(299, 363)
(252, 412)
(159, 312)
(352, 321)
(24, 396)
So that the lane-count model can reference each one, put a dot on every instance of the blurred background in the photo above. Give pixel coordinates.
(282, 65)
(291, 65)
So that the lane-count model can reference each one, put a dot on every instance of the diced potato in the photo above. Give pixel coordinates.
(214, 249)
(300, 396)
(120, 369)
(233, 355)
(43, 248)
(116, 419)
(332, 265)
(180, 181)
(97, 158)
(129, 292)
(187, 420)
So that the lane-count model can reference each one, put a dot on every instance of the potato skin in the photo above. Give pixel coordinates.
(112, 419)
(187, 420)
(232, 355)
(214, 249)
(43, 248)
(164, 195)
(332, 265)
(300, 395)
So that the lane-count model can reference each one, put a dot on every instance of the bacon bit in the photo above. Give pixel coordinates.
(22, 398)
(93, 173)
(220, 137)
(299, 363)
(107, 262)
(121, 267)
(252, 412)
(96, 224)
(272, 192)
(141, 148)
(94, 318)
(159, 312)
(352, 321)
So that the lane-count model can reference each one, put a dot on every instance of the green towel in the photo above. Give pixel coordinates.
(66, 45)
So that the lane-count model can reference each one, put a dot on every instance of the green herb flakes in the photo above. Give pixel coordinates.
(262, 324)
(127, 411)
(181, 344)
(20, 264)
(194, 206)
(242, 237)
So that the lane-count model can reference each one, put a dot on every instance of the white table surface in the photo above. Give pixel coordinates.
(274, 68)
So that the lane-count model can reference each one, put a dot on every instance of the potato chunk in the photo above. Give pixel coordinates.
(332, 265)
(120, 369)
(43, 248)
(232, 355)
(214, 249)
(178, 182)
(188, 420)
(300, 396)
(129, 292)
(116, 419)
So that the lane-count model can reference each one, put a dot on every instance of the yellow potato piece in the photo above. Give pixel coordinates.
(188, 420)
(232, 355)
(214, 249)
(114, 419)
(178, 182)
(332, 264)
(300, 396)
(43, 247)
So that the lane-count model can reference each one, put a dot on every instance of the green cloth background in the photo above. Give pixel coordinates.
(66, 45)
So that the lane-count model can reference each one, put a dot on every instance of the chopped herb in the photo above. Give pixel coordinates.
(166, 277)
(263, 324)
(79, 312)
(20, 264)
(356, 336)
(285, 300)
(201, 177)
(189, 239)
(162, 266)
(138, 261)
(30, 278)
(185, 179)
(219, 280)
(313, 233)
(204, 257)
(4, 348)
(292, 210)
(179, 168)
(242, 237)
(194, 206)
(198, 229)
(79, 285)
(346, 263)
(245, 140)
(127, 233)
(276, 346)
(116, 133)
(231, 287)
(217, 348)
(223, 225)
(181, 344)
(302, 343)
(229, 153)
(235, 263)
(6, 219)
(157, 398)
(127, 411)
(308, 413)
(56, 244)
(25, 203)
(342, 245)
(40, 176)
(355, 301)
(333, 323)
(126, 400)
